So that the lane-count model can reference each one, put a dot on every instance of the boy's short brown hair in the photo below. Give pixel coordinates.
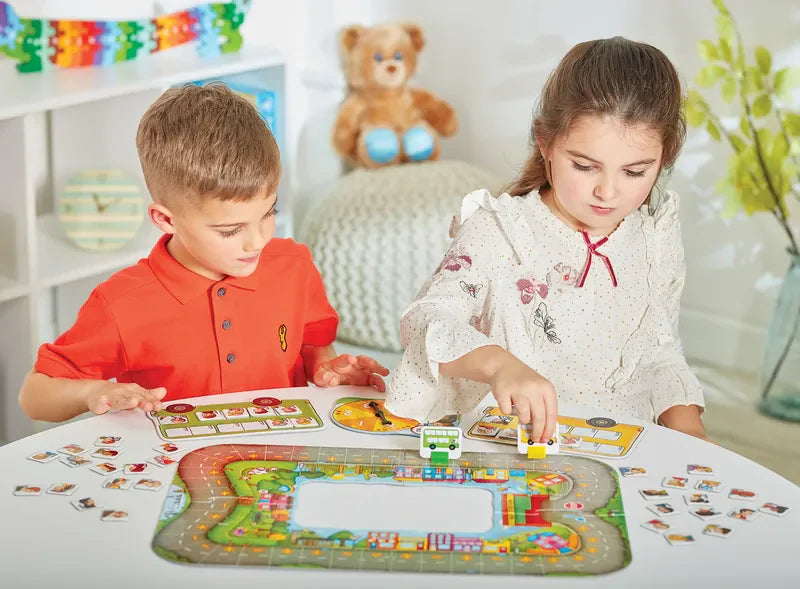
(202, 142)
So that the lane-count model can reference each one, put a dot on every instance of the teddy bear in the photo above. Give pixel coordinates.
(382, 121)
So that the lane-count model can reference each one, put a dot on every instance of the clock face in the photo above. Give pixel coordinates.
(101, 210)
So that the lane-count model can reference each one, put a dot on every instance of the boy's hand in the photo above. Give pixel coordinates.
(516, 384)
(349, 369)
(114, 396)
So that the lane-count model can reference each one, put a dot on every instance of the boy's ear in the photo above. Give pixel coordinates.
(161, 217)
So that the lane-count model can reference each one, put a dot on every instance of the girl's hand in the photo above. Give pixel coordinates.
(349, 369)
(516, 384)
(109, 396)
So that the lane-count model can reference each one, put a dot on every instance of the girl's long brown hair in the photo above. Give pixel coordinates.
(633, 82)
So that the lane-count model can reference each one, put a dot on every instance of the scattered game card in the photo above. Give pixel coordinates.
(675, 482)
(705, 512)
(679, 539)
(717, 531)
(104, 468)
(744, 514)
(632, 471)
(117, 483)
(62, 489)
(84, 504)
(108, 441)
(699, 469)
(161, 460)
(148, 485)
(260, 411)
(279, 423)
(485, 430)
(656, 525)
(110, 515)
(173, 419)
(74, 461)
(568, 441)
(304, 422)
(212, 415)
(774, 509)
(654, 494)
(742, 494)
(508, 433)
(287, 410)
(235, 413)
(43, 457)
(72, 449)
(711, 486)
(663, 509)
(135, 468)
(25, 490)
(106, 453)
(697, 499)
(168, 448)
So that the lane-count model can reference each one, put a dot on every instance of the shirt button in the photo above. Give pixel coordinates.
(231, 358)
(221, 292)
(226, 324)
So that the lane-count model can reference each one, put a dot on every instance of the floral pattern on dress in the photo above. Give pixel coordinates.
(546, 322)
(529, 287)
(455, 262)
(563, 277)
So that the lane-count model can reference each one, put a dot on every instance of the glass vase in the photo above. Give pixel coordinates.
(780, 367)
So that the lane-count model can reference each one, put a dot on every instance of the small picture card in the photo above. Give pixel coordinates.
(654, 494)
(135, 468)
(173, 419)
(117, 483)
(485, 430)
(302, 422)
(744, 514)
(105, 468)
(235, 413)
(699, 469)
(675, 482)
(705, 512)
(74, 461)
(568, 441)
(509, 433)
(260, 411)
(279, 423)
(697, 499)
(161, 460)
(633, 471)
(742, 494)
(287, 410)
(85, 504)
(106, 453)
(708, 486)
(717, 531)
(148, 485)
(168, 448)
(774, 509)
(212, 415)
(44, 457)
(663, 509)
(25, 490)
(656, 525)
(108, 441)
(72, 449)
(676, 539)
(62, 489)
(110, 515)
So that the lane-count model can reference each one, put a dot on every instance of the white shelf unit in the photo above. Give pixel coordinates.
(59, 122)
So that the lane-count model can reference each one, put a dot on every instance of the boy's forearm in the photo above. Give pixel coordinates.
(684, 418)
(314, 356)
(55, 399)
(479, 365)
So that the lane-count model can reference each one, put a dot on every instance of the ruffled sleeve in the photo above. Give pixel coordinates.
(673, 382)
(449, 317)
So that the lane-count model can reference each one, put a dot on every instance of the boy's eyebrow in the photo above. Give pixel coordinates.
(586, 157)
(236, 224)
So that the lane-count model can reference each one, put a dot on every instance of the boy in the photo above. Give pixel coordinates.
(219, 305)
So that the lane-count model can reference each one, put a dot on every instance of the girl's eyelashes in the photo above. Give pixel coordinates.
(581, 168)
(634, 174)
(631, 173)
(232, 232)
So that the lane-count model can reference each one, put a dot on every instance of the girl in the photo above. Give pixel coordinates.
(570, 283)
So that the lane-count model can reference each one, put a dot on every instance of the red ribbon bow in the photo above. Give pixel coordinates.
(592, 247)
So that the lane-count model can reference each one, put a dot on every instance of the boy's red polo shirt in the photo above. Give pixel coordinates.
(159, 324)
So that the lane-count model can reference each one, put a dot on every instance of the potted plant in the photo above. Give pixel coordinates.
(763, 176)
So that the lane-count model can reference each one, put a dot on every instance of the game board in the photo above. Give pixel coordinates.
(597, 436)
(363, 415)
(262, 415)
(236, 504)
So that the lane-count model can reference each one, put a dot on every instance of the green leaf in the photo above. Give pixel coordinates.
(720, 5)
(780, 148)
(763, 59)
(764, 137)
(791, 121)
(713, 130)
(786, 80)
(710, 75)
(728, 89)
(695, 114)
(753, 80)
(736, 141)
(745, 127)
(762, 106)
(725, 28)
(725, 50)
(707, 50)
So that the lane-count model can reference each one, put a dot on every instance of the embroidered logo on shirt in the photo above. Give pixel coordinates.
(547, 323)
(471, 289)
(282, 336)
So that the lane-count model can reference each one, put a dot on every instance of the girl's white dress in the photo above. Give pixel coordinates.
(512, 278)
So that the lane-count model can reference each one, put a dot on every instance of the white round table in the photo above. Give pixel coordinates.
(47, 542)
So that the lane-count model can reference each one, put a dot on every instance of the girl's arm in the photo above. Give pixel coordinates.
(684, 418)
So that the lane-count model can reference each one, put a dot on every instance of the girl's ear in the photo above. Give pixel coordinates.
(161, 217)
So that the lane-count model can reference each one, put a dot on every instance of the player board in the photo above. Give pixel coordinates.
(262, 415)
(597, 436)
(238, 504)
(363, 415)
